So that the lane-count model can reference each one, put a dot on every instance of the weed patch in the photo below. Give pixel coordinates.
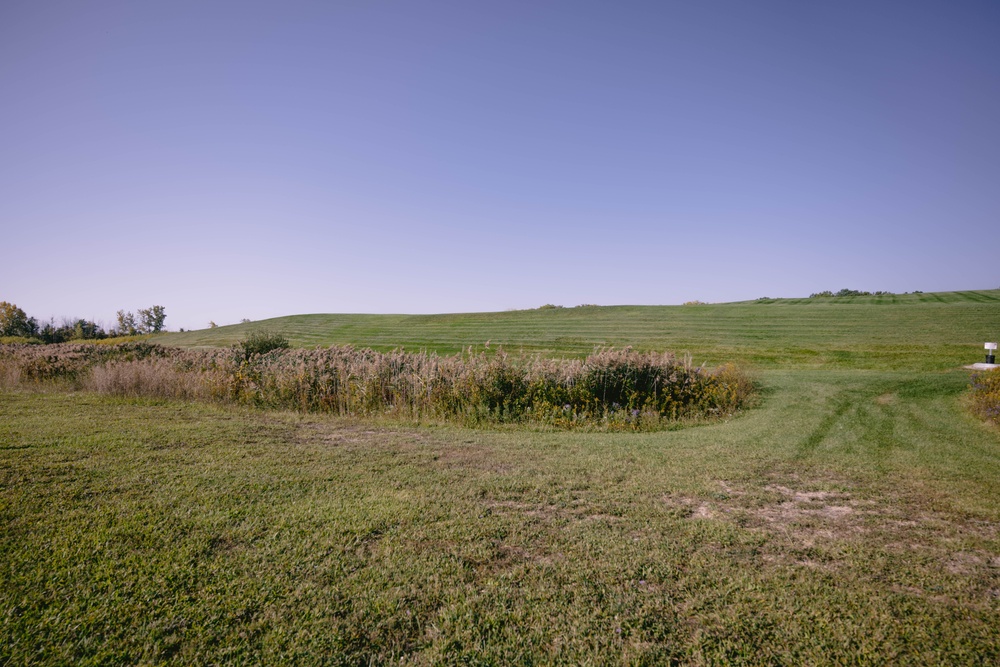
(984, 395)
(611, 390)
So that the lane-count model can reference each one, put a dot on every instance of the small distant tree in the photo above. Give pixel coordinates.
(84, 330)
(151, 319)
(126, 324)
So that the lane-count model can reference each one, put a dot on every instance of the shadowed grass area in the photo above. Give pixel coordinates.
(897, 332)
(851, 519)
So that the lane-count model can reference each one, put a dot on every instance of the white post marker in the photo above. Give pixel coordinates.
(991, 349)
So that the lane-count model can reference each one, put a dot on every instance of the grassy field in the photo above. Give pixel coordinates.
(914, 331)
(850, 519)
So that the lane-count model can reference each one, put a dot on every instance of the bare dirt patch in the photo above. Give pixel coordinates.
(824, 523)
(886, 399)
(965, 563)
(338, 433)
(577, 512)
(688, 507)
(728, 489)
(703, 511)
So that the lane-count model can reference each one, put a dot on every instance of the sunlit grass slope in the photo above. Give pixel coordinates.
(914, 331)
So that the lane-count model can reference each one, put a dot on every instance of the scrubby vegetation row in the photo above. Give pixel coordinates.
(851, 292)
(612, 389)
(17, 327)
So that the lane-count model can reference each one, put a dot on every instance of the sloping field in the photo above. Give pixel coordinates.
(851, 518)
(915, 331)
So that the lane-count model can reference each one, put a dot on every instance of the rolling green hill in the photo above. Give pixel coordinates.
(914, 331)
(850, 518)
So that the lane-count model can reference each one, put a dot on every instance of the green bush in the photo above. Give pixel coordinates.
(260, 342)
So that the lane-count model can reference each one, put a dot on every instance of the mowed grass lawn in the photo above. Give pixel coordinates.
(852, 518)
(913, 331)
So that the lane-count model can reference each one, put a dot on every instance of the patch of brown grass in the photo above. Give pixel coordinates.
(158, 378)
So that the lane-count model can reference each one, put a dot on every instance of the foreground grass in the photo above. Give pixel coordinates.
(850, 520)
(893, 332)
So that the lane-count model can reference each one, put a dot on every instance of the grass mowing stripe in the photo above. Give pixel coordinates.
(904, 331)
(842, 403)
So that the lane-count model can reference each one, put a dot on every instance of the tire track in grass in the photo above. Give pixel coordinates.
(878, 424)
(978, 297)
(842, 402)
(878, 415)
(872, 410)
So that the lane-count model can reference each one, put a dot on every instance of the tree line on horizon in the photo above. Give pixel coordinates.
(15, 323)
(854, 292)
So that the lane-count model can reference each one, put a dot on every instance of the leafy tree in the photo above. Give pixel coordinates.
(151, 319)
(126, 324)
(87, 330)
(71, 330)
(14, 321)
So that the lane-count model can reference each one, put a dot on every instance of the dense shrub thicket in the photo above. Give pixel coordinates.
(611, 389)
(985, 395)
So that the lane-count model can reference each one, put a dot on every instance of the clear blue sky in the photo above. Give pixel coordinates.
(254, 159)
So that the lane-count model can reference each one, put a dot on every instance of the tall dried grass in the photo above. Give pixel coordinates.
(611, 389)
(984, 395)
(10, 376)
(159, 378)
